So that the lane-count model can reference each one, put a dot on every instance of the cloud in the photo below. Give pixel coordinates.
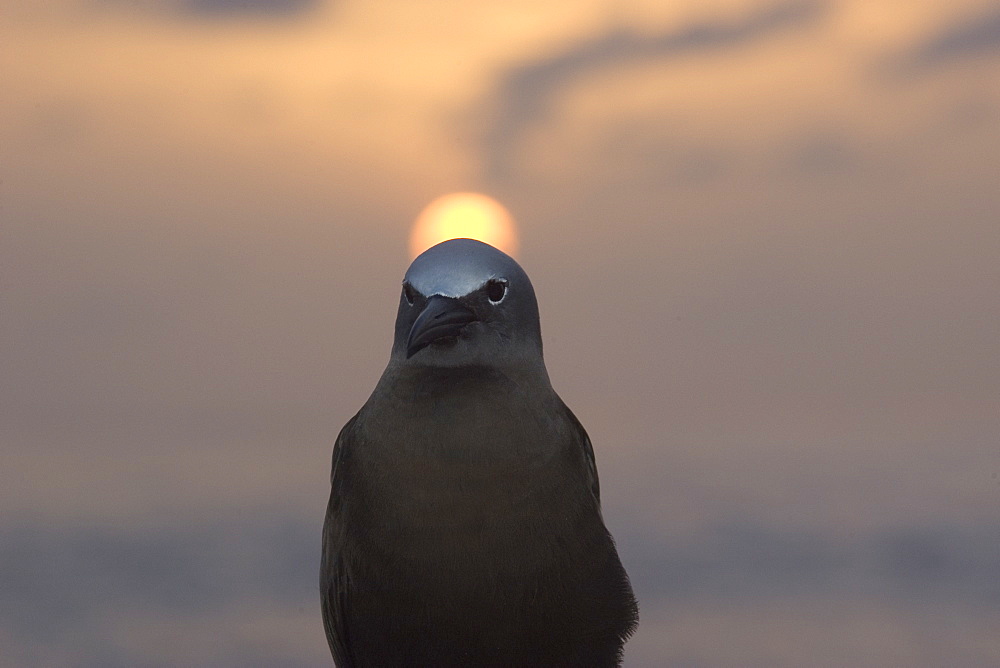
(270, 8)
(219, 9)
(526, 91)
(974, 38)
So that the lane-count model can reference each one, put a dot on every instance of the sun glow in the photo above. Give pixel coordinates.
(464, 215)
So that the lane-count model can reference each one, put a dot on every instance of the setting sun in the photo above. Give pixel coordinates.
(464, 215)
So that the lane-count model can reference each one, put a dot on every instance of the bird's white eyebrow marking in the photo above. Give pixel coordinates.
(457, 268)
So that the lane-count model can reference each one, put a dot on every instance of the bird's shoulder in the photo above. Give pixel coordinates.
(334, 577)
(587, 448)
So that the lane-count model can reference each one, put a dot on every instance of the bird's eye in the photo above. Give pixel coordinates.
(409, 294)
(496, 289)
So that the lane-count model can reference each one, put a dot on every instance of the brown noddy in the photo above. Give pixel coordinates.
(464, 525)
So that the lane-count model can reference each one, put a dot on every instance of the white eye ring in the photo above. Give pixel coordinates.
(496, 290)
(409, 294)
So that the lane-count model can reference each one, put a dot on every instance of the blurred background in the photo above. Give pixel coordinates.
(765, 238)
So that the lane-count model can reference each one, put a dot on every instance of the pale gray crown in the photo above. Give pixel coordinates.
(458, 267)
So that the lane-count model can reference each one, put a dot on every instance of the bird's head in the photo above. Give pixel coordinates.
(465, 303)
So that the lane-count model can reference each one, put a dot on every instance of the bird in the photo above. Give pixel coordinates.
(464, 524)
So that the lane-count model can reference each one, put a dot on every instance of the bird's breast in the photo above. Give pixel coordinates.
(471, 474)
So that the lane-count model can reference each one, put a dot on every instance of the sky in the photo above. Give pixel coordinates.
(765, 240)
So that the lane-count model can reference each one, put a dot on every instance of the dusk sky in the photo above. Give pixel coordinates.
(765, 241)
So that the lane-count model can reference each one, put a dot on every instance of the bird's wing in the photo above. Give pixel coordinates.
(588, 453)
(333, 577)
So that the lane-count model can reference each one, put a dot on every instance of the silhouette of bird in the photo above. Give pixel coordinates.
(464, 525)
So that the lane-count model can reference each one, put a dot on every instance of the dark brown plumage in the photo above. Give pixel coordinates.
(464, 524)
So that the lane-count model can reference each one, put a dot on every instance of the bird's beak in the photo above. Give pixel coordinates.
(442, 317)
